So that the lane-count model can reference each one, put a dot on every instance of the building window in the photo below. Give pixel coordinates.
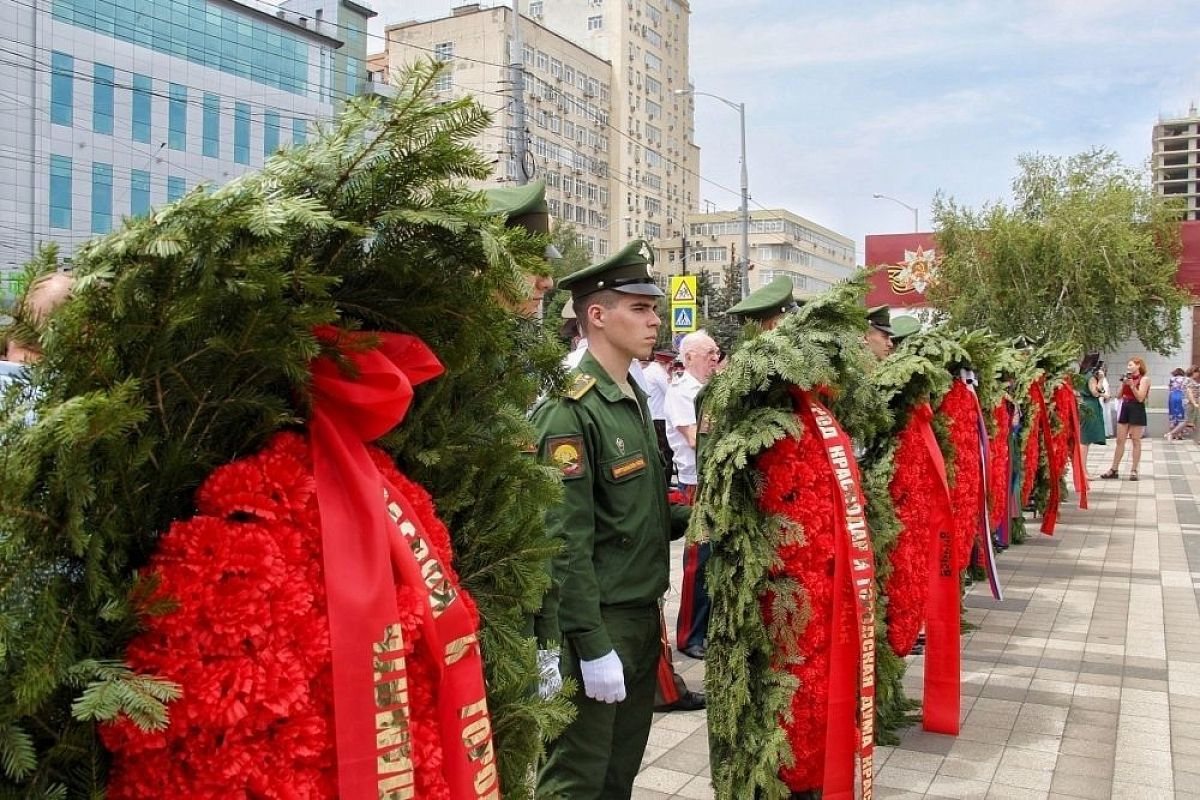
(443, 51)
(352, 75)
(139, 192)
(177, 117)
(142, 90)
(595, 23)
(102, 193)
(60, 192)
(241, 133)
(176, 188)
(653, 63)
(210, 133)
(535, 8)
(270, 132)
(102, 99)
(444, 82)
(299, 132)
(62, 88)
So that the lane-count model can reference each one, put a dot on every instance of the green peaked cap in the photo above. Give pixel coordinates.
(767, 301)
(904, 325)
(521, 206)
(880, 317)
(627, 270)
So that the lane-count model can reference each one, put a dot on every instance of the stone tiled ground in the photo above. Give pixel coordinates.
(1083, 683)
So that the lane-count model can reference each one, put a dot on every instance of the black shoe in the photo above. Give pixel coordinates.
(697, 651)
(688, 701)
(1110, 475)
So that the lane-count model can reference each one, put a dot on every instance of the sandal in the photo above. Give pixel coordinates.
(1110, 475)
(1133, 475)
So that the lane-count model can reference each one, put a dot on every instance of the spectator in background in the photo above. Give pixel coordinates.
(1107, 401)
(1091, 427)
(700, 356)
(1176, 413)
(657, 382)
(1135, 388)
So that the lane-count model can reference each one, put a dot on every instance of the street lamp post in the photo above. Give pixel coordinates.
(916, 225)
(744, 263)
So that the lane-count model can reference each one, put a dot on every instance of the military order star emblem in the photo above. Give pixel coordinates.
(915, 273)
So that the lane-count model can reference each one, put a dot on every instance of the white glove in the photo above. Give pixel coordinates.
(604, 678)
(549, 678)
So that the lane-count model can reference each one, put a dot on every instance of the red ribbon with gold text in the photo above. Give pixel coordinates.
(943, 678)
(373, 543)
(1078, 468)
(852, 635)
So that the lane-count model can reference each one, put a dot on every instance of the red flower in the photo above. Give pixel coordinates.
(961, 414)
(999, 466)
(797, 486)
(1037, 407)
(248, 641)
(914, 490)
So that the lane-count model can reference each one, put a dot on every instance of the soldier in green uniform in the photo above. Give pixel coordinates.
(615, 527)
(904, 326)
(878, 338)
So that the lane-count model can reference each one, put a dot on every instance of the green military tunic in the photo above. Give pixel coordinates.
(614, 524)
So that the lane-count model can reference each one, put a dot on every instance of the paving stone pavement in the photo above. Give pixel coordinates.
(1083, 683)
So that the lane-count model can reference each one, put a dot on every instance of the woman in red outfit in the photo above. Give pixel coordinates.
(1135, 387)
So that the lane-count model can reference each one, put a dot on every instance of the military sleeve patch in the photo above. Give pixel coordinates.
(580, 385)
(567, 454)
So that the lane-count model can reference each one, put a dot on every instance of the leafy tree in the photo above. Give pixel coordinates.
(1085, 254)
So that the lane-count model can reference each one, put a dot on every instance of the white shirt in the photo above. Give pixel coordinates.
(635, 369)
(681, 411)
(659, 381)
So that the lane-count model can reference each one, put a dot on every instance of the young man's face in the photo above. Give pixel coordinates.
(879, 343)
(630, 325)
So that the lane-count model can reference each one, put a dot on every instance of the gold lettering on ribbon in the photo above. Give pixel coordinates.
(477, 739)
(393, 764)
(441, 592)
(459, 648)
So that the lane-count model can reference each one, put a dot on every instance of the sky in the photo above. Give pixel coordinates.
(912, 98)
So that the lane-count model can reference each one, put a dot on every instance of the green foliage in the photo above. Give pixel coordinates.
(187, 344)
(1086, 254)
(750, 409)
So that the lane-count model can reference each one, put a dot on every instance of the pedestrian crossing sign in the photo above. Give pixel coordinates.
(683, 318)
(683, 289)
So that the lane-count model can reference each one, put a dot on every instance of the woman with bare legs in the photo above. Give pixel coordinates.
(1135, 387)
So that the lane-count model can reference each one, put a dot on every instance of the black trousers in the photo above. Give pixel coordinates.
(664, 447)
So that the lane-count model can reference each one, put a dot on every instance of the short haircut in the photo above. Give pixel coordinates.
(693, 341)
(605, 298)
(1178, 372)
(41, 298)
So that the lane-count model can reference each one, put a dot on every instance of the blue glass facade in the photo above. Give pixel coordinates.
(102, 197)
(241, 133)
(201, 32)
(62, 88)
(210, 133)
(143, 89)
(176, 187)
(139, 192)
(177, 117)
(102, 99)
(299, 131)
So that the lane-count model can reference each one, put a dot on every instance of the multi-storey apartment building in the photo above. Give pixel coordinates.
(781, 243)
(567, 93)
(1176, 162)
(116, 106)
(601, 83)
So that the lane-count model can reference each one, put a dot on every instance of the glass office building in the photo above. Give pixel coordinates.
(115, 107)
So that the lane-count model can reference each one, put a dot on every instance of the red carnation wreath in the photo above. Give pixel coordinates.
(999, 465)
(796, 487)
(960, 411)
(913, 487)
(1062, 445)
(248, 640)
(1033, 445)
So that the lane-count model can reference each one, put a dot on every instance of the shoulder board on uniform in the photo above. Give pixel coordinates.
(581, 383)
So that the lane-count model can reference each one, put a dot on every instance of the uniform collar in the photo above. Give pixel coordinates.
(605, 385)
